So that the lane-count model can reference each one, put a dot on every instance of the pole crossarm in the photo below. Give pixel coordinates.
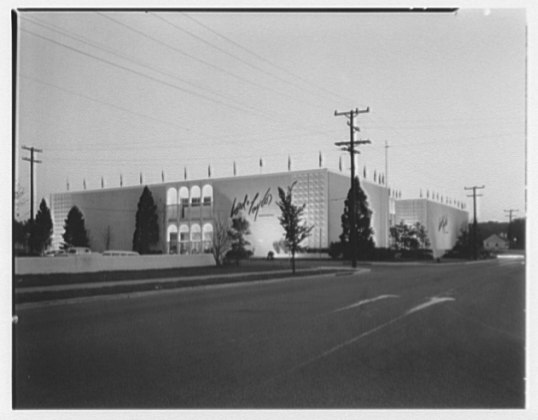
(30, 160)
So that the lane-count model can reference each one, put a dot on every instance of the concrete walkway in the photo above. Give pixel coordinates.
(97, 285)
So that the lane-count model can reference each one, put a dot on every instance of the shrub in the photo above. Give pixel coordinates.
(335, 250)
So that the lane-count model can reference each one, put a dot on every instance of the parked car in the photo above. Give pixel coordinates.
(78, 250)
(119, 253)
(55, 253)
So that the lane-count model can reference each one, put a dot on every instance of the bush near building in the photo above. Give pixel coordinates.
(239, 230)
(409, 237)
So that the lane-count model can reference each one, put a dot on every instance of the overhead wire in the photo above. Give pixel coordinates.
(246, 63)
(118, 54)
(132, 71)
(143, 144)
(188, 91)
(101, 102)
(265, 60)
(177, 50)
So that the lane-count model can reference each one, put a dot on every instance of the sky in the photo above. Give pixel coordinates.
(106, 95)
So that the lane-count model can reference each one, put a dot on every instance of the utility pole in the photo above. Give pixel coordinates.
(386, 182)
(475, 225)
(32, 161)
(386, 163)
(510, 211)
(350, 147)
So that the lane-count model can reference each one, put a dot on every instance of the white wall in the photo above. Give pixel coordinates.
(96, 262)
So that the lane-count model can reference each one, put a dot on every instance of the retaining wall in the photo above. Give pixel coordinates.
(96, 262)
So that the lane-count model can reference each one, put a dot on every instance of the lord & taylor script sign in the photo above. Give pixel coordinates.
(251, 206)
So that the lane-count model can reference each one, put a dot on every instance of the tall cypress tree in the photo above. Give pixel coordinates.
(146, 231)
(365, 242)
(75, 230)
(41, 229)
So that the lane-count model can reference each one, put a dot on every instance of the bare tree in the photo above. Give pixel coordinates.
(221, 241)
(291, 219)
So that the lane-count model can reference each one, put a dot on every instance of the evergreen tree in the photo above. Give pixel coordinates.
(41, 230)
(75, 230)
(464, 248)
(146, 231)
(239, 229)
(20, 237)
(291, 220)
(365, 242)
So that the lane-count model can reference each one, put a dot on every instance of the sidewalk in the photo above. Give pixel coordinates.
(35, 294)
(97, 285)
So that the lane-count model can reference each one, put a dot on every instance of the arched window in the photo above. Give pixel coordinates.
(196, 238)
(184, 239)
(195, 196)
(207, 195)
(184, 196)
(207, 237)
(171, 196)
(171, 234)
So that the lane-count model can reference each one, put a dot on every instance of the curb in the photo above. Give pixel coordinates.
(178, 289)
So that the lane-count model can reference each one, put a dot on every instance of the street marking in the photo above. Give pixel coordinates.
(364, 302)
(433, 301)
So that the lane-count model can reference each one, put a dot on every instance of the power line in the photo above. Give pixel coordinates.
(125, 57)
(265, 60)
(250, 110)
(246, 63)
(145, 35)
(99, 101)
(259, 114)
(111, 63)
(144, 144)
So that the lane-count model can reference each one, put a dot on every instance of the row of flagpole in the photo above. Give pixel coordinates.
(435, 196)
(377, 179)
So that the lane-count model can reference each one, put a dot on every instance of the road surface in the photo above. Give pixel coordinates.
(432, 336)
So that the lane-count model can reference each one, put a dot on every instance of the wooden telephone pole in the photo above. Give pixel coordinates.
(349, 146)
(32, 160)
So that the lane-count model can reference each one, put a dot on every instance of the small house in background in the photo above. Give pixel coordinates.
(495, 243)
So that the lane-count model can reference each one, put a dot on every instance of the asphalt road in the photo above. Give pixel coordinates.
(435, 336)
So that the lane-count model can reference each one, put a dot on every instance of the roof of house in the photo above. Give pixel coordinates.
(494, 238)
